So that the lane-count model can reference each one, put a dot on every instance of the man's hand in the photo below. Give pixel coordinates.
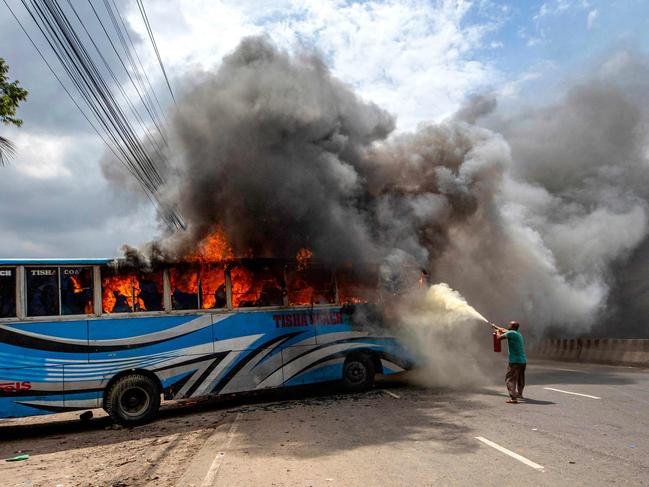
(498, 329)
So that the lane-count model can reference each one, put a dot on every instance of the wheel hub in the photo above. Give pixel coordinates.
(134, 401)
(356, 372)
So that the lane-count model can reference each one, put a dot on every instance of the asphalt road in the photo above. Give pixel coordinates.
(394, 435)
(427, 437)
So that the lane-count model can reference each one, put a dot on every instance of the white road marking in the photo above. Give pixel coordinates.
(573, 393)
(218, 460)
(391, 394)
(518, 457)
(560, 369)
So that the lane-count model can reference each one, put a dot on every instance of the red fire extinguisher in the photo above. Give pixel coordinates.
(497, 343)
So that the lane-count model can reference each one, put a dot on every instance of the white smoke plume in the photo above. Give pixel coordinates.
(527, 211)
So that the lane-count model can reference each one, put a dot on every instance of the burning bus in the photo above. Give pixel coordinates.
(86, 333)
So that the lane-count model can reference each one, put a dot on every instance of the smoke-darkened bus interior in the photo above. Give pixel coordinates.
(50, 290)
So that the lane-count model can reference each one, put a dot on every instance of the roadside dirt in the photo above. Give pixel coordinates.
(65, 451)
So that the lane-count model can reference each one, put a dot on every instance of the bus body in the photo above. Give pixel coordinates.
(122, 360)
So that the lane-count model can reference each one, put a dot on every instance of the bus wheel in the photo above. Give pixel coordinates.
(358, 372)
(132, 400)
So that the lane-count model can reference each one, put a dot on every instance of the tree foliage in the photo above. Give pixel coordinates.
(11, 94)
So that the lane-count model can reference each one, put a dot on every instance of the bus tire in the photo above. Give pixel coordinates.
(132, 400)
(358, 372)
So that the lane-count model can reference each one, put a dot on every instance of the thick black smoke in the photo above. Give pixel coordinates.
(527, 214)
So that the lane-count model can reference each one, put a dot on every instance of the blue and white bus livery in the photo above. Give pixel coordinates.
(73, 336)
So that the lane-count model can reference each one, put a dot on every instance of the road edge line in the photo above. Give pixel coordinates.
(210, 477)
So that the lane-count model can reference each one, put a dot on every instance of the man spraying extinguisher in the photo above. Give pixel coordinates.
(515, 376)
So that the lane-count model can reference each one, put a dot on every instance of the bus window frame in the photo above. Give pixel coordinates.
(132, 312)
(333, 283)
(98, 313)
(16, 314)
(250, 263)
(21, 295)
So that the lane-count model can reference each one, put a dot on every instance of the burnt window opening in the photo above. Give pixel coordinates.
(198, 287)
(211, 280)
(42, 291)
(257, 284)
(309, 285)
(7, 292)
(358, 284)
(76, 290)
(184, 287)
(127, 292)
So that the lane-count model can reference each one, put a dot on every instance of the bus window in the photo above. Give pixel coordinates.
(311, 285)
(76, 290)
(125, 292)
(148, 294)
(257, 284)
(212, 280)
(184, 287)
(116, 291)
(7, 292)
(42, 291)
(358, 284)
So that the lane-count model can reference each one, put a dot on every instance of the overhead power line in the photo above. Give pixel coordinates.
(140, 4)
(111, 122)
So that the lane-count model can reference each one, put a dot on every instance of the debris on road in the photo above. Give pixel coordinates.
(17, 458)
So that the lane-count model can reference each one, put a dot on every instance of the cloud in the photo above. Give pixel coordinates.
(592, 18)
(54, 201)
(416, 59)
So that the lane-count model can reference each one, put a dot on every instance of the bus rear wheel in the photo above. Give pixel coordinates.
(132, 400)
(358, 372)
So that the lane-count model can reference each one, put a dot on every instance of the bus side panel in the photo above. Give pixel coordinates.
(256, 361)
(31, 391)
(176, 348)
(32, 356)
(337, 337)
(314, 363)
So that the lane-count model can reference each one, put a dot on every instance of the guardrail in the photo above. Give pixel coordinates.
(613, 351)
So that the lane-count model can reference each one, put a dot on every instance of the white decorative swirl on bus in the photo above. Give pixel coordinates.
(188, 327)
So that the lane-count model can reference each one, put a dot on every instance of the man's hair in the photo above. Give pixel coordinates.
(514, 325)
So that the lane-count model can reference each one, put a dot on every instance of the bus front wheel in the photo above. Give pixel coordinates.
(358, 372)
(132, 400)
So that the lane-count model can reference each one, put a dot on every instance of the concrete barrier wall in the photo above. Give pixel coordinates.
(596, 350)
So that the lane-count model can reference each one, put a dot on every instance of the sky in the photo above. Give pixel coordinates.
(417, 59)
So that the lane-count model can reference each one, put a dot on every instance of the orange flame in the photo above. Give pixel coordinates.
(211, 278)
(303, 256)
(212, 282)
(126, 286)
(213, 248)
(184, 280)
(77, 288)
(243, 290)
(255, 288)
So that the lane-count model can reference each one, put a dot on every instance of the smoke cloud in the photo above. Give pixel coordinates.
(527, 210)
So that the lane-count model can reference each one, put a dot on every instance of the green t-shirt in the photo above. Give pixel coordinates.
(516, 347)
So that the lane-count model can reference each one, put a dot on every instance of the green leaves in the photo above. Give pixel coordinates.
(11, 94)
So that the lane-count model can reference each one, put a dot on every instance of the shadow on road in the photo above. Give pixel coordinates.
(320, 419)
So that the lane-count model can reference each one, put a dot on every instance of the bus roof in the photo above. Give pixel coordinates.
(88, 261)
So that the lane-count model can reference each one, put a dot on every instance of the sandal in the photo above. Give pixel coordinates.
(511, 401)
